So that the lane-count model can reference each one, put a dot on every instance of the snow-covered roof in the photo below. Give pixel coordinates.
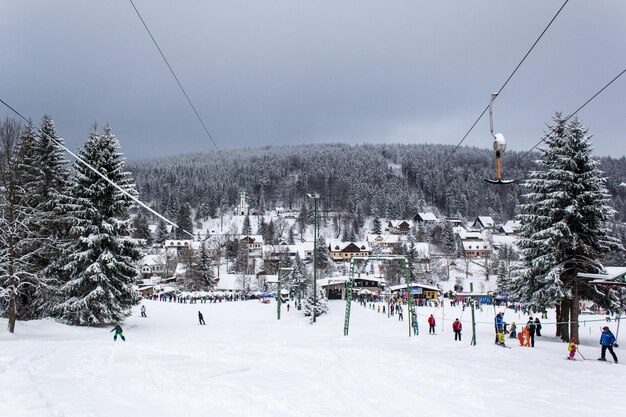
(414, 285)
(486, 221)
(182, 243)
(397, 223)
(467, 235)
(427, 217)
(152, 260)
(338, 246)
(388, 238)
(474, 245)
(511, 226)
(253, 238)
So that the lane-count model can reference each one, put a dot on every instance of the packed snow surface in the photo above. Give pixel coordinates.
(246, 363)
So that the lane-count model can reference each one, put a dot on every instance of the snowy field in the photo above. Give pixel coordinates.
(246, 363)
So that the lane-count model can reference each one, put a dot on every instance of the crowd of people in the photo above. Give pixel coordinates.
(526, 336)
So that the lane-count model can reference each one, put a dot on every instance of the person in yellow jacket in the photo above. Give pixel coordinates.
(572, 348)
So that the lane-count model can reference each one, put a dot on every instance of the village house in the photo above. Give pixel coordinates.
(399, 227)
(346, 250)
(151, 265)
(385, 243)
(483, 222)
(426, 218)
(510, 227)
(476, 249)
(277, 252)
(255, 245)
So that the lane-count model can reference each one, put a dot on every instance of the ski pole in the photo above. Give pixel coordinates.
(581, 355)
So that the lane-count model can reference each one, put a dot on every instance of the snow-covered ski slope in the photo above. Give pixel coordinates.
(246, 363)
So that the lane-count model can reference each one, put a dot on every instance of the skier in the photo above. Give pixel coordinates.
(288, 307)
(200, 318)
(143, 311)
(571, 348)
(431, 325)
(118, 332)
(399, 311)
(531, 331)
(513, 334)
(456, 328)
(607, 340)
(499, 325)
(538, 326)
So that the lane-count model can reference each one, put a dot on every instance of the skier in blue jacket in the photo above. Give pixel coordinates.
(607, 340)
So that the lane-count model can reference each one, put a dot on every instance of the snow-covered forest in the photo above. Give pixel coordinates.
(391, 180)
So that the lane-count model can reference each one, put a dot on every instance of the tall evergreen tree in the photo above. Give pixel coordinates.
(376, 226)
(183, 220)
(246, 229)
(17, 273)
(101, 263)
(564, 226)
(161, 233)
(46, 178)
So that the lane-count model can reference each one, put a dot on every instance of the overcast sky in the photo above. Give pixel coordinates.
(273, 72)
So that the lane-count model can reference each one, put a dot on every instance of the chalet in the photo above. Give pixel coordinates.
(510, 227)
(455, 222)
(255, 245)
(151, 265)
(483, 222)
(476, 249)
(472, 235)
(419, 290)
(425, 218)
(399, 227)
(280, 210)
(175, 247)
(386, 243)
(277, 252)
(346, 250)
(335, 288)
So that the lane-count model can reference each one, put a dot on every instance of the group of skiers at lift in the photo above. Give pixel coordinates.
(526, 336)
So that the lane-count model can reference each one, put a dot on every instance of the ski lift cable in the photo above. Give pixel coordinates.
(576, 111)
(104, 177)
(508, 79)
(206, 130)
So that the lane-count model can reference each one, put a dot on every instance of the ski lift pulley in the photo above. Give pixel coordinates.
(499, 145)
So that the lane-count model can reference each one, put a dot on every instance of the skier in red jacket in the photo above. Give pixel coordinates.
(457, 327)
(431, 325)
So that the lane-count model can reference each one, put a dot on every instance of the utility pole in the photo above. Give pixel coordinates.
(315, 197)
(473, 343)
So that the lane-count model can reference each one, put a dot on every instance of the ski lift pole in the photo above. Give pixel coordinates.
(409, 299)
(349, 285)
(473, 343)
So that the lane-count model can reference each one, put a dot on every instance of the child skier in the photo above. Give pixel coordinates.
(118, 332)
(513, 334)
(143, 311)
(571, 348)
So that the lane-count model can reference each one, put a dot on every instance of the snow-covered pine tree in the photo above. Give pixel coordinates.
(101, 262)
(290, 237)
(183, 220)
(376, 226)
(564, 227)
(46, 179)
(246, 229)
(17, 273)
(161, 233)
(319, 305)
(322, 256)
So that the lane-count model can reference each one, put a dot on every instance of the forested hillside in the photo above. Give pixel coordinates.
(390, 180)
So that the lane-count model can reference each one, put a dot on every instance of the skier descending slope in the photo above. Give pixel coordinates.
(118, 332)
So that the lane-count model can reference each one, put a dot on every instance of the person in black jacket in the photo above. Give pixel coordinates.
(118, 332)
(538, 326)
(200, 318)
